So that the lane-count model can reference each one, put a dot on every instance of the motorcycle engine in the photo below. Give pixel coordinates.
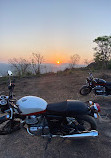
(37, 125)
(99, 90)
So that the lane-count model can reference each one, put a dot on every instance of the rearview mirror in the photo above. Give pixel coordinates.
(10, 73)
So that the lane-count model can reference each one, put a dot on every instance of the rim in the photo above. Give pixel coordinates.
(85, 91)
(87, 126)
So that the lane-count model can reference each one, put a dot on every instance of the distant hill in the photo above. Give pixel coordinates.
(94, 65)
(4, 67)
(45, 68)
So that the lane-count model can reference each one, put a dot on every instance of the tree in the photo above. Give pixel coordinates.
(74, 59)
(102, 53)
(36, 62)
(87, 62)
(21, 66)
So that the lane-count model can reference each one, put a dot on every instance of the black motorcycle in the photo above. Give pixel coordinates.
(67, 119)
(99, 86)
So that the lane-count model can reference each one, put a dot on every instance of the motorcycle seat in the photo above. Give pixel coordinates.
(57, 108)
(67, 108)
(108, 83)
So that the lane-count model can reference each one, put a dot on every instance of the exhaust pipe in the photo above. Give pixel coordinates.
(92, 133)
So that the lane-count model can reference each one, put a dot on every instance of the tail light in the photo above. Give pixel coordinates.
(95, 106)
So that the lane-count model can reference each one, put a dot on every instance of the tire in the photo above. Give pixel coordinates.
(86, 120)
(9, 127)
(85, 90)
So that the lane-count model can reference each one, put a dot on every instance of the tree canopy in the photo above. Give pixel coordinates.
(102, 53)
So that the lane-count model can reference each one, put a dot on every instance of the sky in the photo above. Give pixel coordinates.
(57, 29)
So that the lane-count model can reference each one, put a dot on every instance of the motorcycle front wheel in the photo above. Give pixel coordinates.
(85, 90)
(9, 126)
(86, 123)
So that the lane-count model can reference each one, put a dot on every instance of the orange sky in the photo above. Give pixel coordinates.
(55, 29)
(51, 56)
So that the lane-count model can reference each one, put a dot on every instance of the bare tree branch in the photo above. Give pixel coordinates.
(36, 62)
(21, 66)
(74, 59)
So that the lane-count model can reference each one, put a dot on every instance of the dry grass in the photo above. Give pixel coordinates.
(55, 88)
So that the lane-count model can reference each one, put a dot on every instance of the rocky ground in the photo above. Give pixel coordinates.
(55, 88)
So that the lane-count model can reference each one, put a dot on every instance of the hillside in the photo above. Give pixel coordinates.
(55, 88)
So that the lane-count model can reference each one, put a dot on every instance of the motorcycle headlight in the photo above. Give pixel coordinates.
(3, 102)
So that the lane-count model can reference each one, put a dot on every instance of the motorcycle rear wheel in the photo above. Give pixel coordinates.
(86, 123)
(85, 90)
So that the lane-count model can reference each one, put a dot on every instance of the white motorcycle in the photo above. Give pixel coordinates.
(67, 119)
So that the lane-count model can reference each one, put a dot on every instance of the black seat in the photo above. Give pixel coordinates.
(68, 108)
(57, 108)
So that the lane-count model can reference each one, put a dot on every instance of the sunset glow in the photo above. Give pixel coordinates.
(52, 28)
(58, 62)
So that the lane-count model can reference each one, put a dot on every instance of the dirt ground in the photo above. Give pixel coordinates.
(55, 88)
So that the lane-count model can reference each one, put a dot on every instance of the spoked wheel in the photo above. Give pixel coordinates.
(86, 123)
(9, 127)
(85, 90)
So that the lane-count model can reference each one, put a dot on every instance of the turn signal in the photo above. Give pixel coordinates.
(97, 107)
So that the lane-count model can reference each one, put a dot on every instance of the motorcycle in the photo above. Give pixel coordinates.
(67, 119)
(99, 86)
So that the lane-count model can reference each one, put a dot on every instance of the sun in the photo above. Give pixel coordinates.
(58, 62)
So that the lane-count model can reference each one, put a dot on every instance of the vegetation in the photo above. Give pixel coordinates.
(102, 60)
(74, 59)
(21, 66)
(102, 55)
(37, 60)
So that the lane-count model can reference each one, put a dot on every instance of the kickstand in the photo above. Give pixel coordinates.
(48, 141)
(64, 139)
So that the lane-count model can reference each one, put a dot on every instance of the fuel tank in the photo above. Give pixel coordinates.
(30, 105)
(98, 81)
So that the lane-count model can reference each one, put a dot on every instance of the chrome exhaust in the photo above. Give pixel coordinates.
(92, 133)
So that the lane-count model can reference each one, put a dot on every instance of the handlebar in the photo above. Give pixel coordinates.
(11, 88)
(11, 85)
(90, 75)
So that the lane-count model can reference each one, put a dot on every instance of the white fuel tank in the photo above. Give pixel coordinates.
(31, 104)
